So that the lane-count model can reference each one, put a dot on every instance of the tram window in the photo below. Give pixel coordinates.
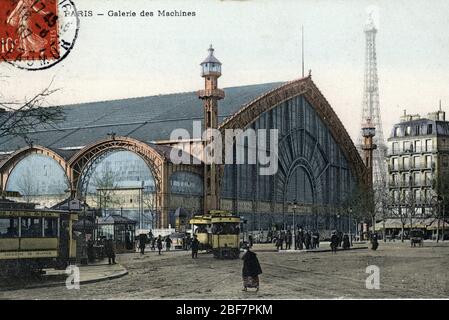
(31, 227)
(201, 229)
(9, 228)
(51, 227)
(225, 228)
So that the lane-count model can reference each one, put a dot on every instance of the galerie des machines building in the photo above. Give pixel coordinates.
(115, 156)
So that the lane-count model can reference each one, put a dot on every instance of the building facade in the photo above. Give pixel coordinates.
(418, 159)
(115, 155)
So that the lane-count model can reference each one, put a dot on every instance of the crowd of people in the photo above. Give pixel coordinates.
(304, 239)
(160, 243)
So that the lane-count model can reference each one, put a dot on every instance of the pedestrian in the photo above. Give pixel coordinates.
(340, 238)
(374, 242)
(159, 243)
(317, 235)
(109, 248)
(346, 242)
(278, 243)
(300, 238)
(90, 251)
(168, 243)
(307, 240)
(153, 244)
(195, 246)
(288, 240)
(250, 239)
(334, 242)
(142, 242)
(282, 238)
(251, 270)
(188, 242)
(315, 240)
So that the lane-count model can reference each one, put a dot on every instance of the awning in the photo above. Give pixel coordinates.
(421, 223)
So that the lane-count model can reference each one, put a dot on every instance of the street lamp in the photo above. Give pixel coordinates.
(349, 225)
(295, 206)
(443, 212)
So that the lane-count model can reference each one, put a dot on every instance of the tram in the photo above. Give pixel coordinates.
(32, 239)
(225, 234)
(201, 228)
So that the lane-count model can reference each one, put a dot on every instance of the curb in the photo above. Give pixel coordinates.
(318, 251)
(62, 283)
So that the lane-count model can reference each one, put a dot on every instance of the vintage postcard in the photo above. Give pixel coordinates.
(224, 150)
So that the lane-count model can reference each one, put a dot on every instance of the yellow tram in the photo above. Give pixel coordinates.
(225, 234)
(32, 239)
(202, 230)
(219, 232)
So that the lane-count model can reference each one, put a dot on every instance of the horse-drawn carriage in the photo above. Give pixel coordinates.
(416, 237)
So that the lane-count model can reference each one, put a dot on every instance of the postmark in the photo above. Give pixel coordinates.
(37, 34)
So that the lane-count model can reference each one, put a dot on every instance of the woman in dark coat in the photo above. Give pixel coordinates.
(251, 270)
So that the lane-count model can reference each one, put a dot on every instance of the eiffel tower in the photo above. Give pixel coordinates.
(370, 107)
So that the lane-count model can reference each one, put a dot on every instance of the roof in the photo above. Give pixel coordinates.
(211, 58)
(429, 223)
(115, 219)
(420, 127)
(146, 119)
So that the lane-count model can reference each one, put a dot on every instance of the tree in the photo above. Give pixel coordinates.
(27, 186)
(360, 204)
(149, 201)
(17, 119)
(441, 186)
(105, 183)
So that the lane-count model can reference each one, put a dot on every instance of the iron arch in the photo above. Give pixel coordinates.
(250, 112)
(83, 160)
(8, 166)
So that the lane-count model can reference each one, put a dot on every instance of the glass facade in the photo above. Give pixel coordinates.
(112, 173)
(120, 169)
(37, 175)
(312, 168)
(186, 183)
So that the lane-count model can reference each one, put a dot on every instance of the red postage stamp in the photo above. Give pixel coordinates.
(36, 34)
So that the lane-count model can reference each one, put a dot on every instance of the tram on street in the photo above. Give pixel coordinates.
(219, 233)
(201, 228)
(32, 239)
(225, 235)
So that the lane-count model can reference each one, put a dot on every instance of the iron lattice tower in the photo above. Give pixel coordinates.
(371, 110)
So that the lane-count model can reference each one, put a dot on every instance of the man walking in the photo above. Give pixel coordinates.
(168, 243)
(159, 244)
(110, 250)
(195, 246)
(142, 242)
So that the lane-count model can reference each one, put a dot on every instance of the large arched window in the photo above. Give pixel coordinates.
(300, 187)
(118, 170)
(120, 182)
(323, 177)
(38, 175)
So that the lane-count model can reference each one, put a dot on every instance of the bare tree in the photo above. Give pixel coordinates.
(18, 119)
(360, 204)
(27, 186)
(149, 201)
(406, 208)
(105, 182)
(441, 186)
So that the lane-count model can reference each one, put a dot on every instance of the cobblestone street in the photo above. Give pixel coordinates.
(405, 272)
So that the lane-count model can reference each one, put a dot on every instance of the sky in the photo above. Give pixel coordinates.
(258, 41)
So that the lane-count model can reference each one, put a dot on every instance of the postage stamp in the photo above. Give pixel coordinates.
(37, 34)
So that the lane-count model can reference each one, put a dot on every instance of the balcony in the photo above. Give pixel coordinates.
(410, 151)
(401, 167)
(211, 93)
